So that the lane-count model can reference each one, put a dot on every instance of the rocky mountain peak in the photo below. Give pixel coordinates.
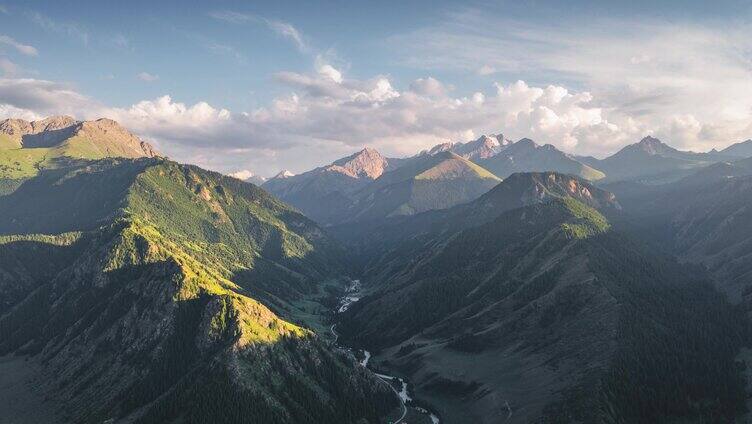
(443, 147)
(112, 131)
(535, 187)
(48, 132)
(652, 145)
(52, 123)
(483, 147)
(488, 141)
(367, 163)
(283, 174)
(15, 127)
(21, 127)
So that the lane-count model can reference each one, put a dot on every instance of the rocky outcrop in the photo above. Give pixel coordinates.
(107, 136)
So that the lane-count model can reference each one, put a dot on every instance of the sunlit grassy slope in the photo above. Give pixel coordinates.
(166, 280)
(20, 160)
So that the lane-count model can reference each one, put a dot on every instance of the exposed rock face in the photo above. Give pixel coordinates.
(653, 146)
(283, 174)
(107, 129)
(43, 133)
(326, 193)
(368, 163)
(107, 136)
(484, 147)
(20, 127)
(15, 127)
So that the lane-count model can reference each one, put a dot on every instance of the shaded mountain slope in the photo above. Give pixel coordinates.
(654, 161)
(325, 194)
(742, 149)
(178, 300)
(701, 218)
(527, 156)
(373, 239)
(544, 314)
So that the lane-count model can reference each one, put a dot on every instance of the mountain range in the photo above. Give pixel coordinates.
(368, 186)
(337, 194)
(484, 147)
(150, 292)
(487, 281)
(161, 279)
(654, 160)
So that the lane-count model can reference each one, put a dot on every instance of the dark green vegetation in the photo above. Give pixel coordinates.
(543, 311)
(703, 218)
(160, 292)
(371, 239)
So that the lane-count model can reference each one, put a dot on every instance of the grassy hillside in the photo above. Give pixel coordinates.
(173, 296)
(429, 183)
(41, 145)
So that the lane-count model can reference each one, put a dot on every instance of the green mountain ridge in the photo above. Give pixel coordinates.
(183, 297)
(545, 313)
(518, 190)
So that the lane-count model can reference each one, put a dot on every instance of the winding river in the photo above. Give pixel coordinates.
(352, 295)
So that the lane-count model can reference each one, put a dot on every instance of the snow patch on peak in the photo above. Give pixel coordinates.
(284, 174)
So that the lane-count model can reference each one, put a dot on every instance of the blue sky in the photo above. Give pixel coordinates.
(270, 85)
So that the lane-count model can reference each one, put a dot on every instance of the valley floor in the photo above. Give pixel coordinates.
(21, 401)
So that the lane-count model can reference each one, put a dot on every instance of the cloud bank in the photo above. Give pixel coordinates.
(330, 114)
(688, 85)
